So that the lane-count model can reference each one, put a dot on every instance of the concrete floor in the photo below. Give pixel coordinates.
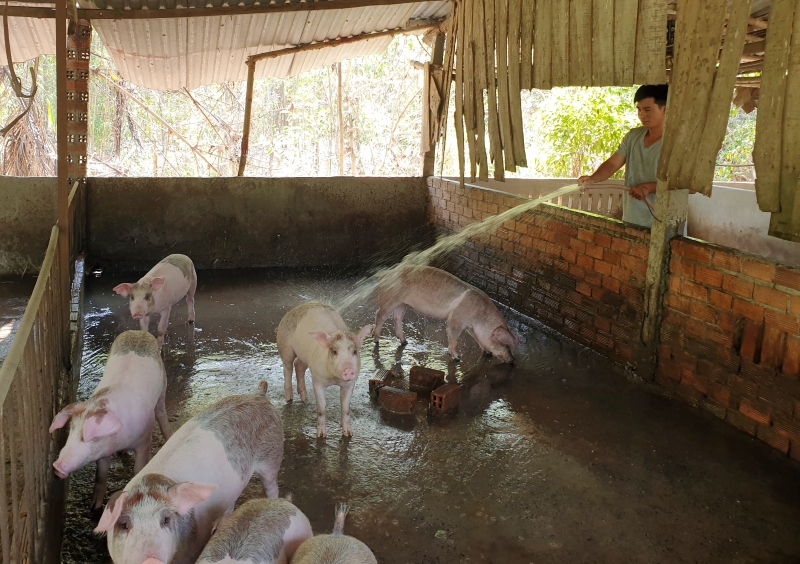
(14, 295)
(562, 458)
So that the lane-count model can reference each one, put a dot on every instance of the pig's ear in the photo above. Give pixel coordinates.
(63, 417)
(503, 336)
(361, 335)
(123, 289)
(188, 494)
(321, 337)
(111, 512)
(156, 283)
(100, 424)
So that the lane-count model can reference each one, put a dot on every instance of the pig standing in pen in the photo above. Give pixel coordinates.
(313, 335)
(121, 413)
(167, 512)
(337, 548)
(157, 291)
(261, 531)
(436, 293)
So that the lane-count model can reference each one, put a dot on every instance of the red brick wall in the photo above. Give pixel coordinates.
(580, 273)
(730, 340)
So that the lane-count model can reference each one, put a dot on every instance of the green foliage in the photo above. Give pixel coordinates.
(737, 149)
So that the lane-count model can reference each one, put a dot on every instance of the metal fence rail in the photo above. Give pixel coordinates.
(34, 382)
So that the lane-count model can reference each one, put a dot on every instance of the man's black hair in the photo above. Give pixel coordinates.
(658, 92)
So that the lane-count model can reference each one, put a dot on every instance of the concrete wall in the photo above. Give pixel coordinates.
(27, 215)
(252, 222)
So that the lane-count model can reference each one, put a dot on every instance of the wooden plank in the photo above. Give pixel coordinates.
(560, 56)
(580, 43)
(769, 124)
(526, 42)
(790, 151)
(459, 99)
(708, 32)
(542, 44)
(603, 43)
(514, 87)
(479, 71)
(501, 47)
(687, 15)
(626, 13)
(651, 44)
(447, 81)
(716, 118)
(469, 87)
(495, 141)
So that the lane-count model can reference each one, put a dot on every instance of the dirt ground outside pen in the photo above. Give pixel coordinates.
(563, 457)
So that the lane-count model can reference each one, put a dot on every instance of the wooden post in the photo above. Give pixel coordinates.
(670, 213)
(248, 107)
(429, 158)
(62, 170)
(341, 118)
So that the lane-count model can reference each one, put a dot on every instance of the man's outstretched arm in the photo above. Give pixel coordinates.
(604, 171)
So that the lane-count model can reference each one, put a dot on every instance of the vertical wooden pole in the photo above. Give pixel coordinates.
(670, 213)
(248, 107)
(62, 171)
(341, 118)
(429, 158)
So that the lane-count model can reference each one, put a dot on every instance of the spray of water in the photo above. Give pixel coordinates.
(365, 288)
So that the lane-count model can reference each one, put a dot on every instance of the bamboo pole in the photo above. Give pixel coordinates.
(542, 44)
(603, 43)
(651, 48)
(767, 148)
(481, 83)
(526, 47)
(790, 153)
(248, 109)
(626, 13)
(560, 55)
(459, 101)
(514, 86)
(469, 88)
(495, 141)
(62, 169)
(580, 43)
(716, 117)
(340, 116)
(501, 42)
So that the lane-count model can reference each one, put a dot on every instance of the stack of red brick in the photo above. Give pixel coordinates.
(730, 341)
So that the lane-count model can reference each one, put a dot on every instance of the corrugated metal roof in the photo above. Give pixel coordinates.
(169, 54)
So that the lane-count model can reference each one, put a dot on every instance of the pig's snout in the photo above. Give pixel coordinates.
(61, 469)
(152, 561)
(348, 374)
(137, 314)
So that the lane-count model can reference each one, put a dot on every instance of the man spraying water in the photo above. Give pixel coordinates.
(638, 153)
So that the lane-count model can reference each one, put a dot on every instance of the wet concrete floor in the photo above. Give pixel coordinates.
(14, 295)
(563, 458)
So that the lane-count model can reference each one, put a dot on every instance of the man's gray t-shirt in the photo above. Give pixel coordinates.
(641, 165)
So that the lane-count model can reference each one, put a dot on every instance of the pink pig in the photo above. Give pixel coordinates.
(313, 335)
(436, 293)
(167, 512)
(120, 413)
(160, 289)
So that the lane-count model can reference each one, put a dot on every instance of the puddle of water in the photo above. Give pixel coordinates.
(559, 458)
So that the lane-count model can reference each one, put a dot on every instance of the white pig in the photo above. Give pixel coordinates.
(337, 548)
(167, 512)
(436, 293)
(261, 531)
(120, 413)
(313, 335)
(160, 289)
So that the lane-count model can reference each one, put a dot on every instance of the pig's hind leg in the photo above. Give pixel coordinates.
(454, 329)
(163, 322)
(269, 479)
(383, 314)
(398, 314)
(300, 368)
(161, 416)
(287, 357)
(190, 297)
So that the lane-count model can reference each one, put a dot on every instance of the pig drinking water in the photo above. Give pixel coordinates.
(436, 293)
(120, 413)
(313, 335)
(167, 512)
(337, 548)
(261, 531)
(160, 289)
